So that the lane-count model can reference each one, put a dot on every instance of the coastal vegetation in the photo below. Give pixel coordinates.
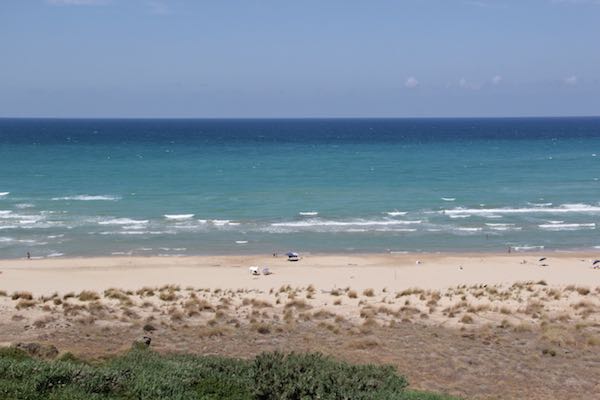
(535, 334)
(144, 374)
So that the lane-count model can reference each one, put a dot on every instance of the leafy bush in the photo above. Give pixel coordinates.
(143, 374)
(313, 376)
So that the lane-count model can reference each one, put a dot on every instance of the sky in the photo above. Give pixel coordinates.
(303, 58)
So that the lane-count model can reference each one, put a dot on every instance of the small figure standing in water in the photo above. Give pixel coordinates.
(508, 249)
(28, 256)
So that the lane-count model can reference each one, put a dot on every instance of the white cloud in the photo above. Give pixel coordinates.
(76, 2)
(571, 80)
(496, 80)
(411, 82)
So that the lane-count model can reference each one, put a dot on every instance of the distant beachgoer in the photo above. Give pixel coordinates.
(28, 256)
(508, 249)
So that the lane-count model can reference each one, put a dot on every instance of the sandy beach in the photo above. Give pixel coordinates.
(473, 325)
(391, 271)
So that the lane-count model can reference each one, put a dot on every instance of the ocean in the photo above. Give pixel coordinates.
(86, 187)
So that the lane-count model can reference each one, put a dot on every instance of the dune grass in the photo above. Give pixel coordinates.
(144, 374)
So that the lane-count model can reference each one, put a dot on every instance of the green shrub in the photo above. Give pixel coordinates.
(144, 374)
(310, 376)
(13, 353)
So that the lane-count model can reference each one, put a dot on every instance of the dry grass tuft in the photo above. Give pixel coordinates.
(256, 303)
(68, 296)
(167, 295)
(583, 291)
(116, 294)
(352, 294)
(88, 295)
(175, 314)
(22, 295)
(261, 328)
(323, 314)
(24, 303)
(558, 335)
(298, 304)
(369, 292)
(145, 292)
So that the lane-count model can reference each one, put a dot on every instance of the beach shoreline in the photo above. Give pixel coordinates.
(325, 271)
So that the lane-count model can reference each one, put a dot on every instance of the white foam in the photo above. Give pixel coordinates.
(308, 213)
(179, 217)
(455, 216)
(463, 229)
(541, 204)
(122, 221)
(8, 227)
(448, 198)
(56, 236)
(133, 227)
(5, 212)
(556, 222)
(6, 239)
(87, 197)
(396, 213)
(220, 222)
(567, 227)
(316, 222)
(396, 230)
(527, 248)
(241, 241)
(2, 194)
(55, 255)
(24, 205)
(565, 208)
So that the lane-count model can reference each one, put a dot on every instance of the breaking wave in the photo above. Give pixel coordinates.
(87, 197)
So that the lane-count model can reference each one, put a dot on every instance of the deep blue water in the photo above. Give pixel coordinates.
(101, 187)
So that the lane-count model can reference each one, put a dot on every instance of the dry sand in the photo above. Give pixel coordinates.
(395, 272)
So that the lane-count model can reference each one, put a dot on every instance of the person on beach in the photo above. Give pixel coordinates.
(28, 256)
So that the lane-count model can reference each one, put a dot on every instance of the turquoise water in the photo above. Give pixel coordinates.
(182, 187)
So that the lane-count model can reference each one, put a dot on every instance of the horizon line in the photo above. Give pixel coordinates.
(298, 118)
